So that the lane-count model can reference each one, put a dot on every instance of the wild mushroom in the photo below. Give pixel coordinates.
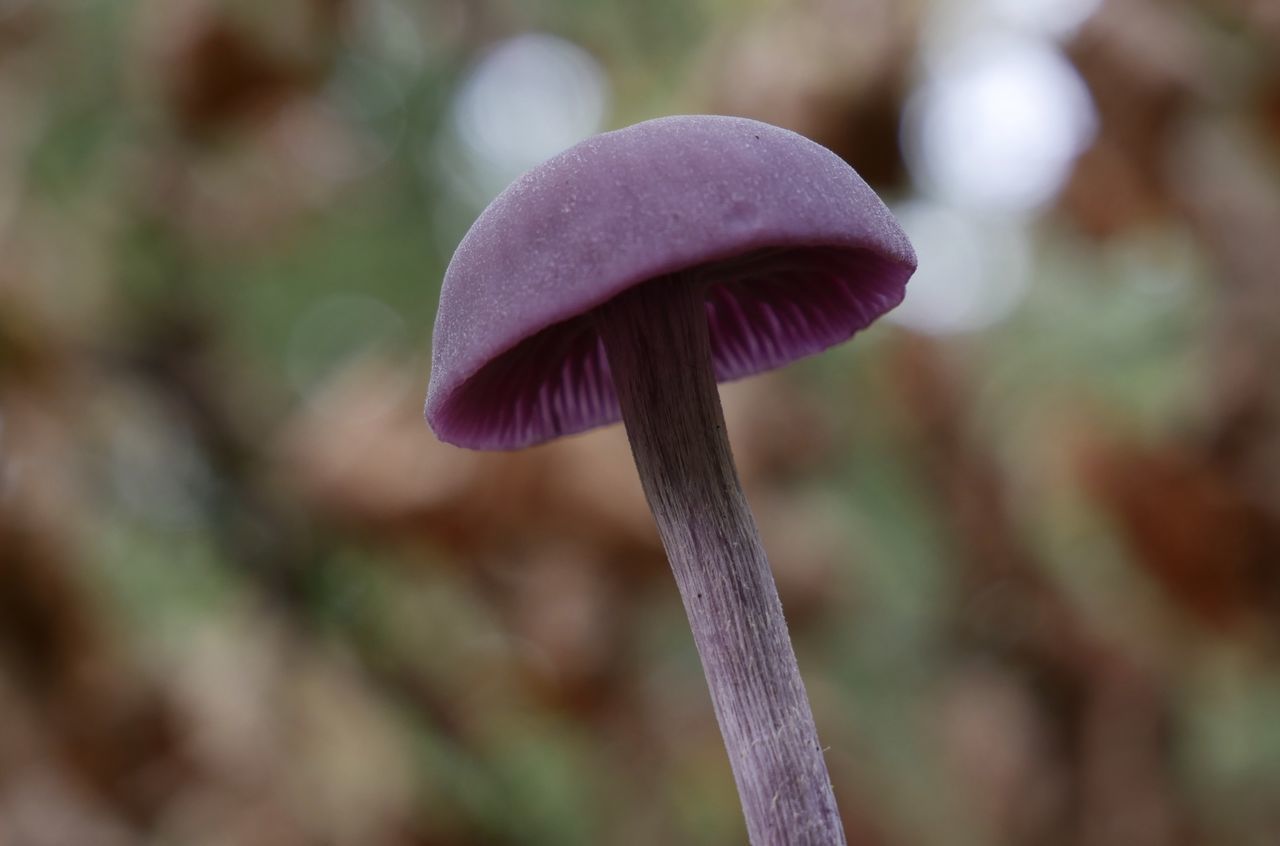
(623, 278)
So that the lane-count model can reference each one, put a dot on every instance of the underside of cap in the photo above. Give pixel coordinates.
(793, 251)
(763, 310)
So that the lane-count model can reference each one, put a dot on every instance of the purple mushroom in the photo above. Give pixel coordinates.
(623, 278)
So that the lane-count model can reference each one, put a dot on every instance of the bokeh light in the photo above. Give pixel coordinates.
(1054, 18)
(525, 100)
(973, 269)
(997, 123)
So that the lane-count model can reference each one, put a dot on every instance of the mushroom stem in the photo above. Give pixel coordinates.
(657, 341)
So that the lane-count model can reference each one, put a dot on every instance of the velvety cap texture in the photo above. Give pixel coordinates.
(795, 252)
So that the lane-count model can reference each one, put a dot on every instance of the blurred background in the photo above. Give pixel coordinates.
(1026, 529)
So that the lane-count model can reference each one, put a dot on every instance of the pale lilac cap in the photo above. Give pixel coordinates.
(798, 252)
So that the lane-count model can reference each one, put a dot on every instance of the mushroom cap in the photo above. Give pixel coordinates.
(796, 253)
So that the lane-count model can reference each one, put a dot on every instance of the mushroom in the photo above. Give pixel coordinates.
(623, 278)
